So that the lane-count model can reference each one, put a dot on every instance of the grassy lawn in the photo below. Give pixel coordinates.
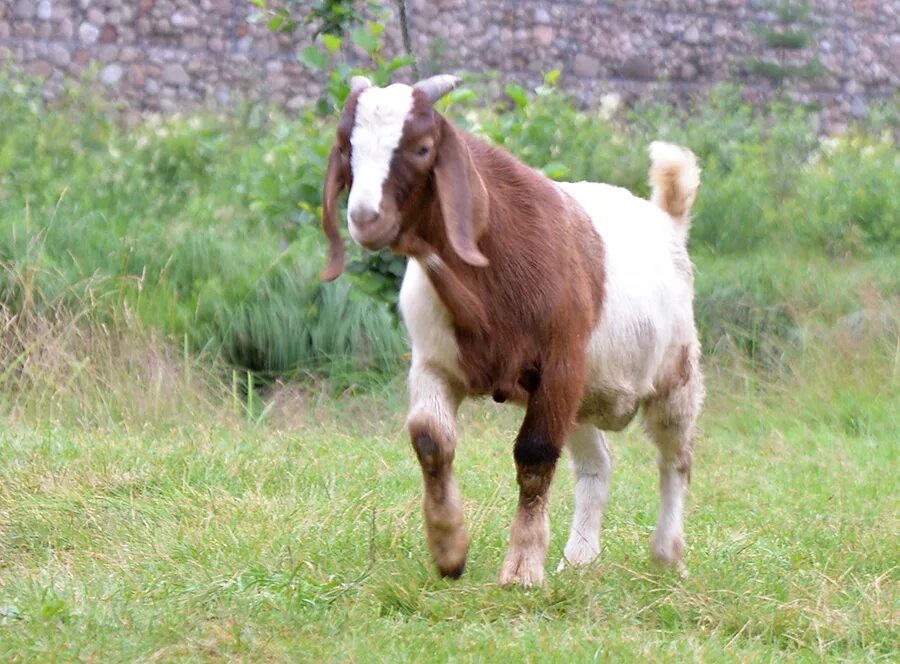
(301, 538)
(148, 515)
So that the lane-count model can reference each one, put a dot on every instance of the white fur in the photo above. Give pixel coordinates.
(592, 465)
(673, 166)
(668, 537)
(428, 324)
(648, 312)
(668, 157)
(380, 116)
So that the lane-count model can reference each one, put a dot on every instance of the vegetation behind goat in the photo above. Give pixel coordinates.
(207, 226)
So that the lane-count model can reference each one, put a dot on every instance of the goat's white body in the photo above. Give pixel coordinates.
(647, 314)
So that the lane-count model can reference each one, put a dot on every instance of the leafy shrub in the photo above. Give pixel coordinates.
(848, 202)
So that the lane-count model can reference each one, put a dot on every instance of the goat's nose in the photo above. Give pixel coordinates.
(363, 217)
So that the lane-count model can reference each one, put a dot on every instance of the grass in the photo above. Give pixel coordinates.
(298, 536)
(160, 503)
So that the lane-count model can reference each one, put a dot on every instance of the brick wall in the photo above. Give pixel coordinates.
(171, 54)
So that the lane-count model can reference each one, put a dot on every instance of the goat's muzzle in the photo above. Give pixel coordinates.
(372, 229)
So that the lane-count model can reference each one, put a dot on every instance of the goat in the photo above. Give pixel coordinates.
(572, 299)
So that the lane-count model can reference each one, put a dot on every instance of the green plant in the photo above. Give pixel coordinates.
(328, 17)
(192, 224)
(847, 200)
(199, 225)
(328, 59)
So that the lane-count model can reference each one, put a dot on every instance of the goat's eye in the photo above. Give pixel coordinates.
(423, 151)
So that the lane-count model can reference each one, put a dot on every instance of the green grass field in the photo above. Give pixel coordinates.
(202, 450)
(299, 538)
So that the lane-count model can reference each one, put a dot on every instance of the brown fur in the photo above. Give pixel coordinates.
(538, 298)
(337, 178)
(673, 200)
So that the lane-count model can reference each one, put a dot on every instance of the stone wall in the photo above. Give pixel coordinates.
(171, 54)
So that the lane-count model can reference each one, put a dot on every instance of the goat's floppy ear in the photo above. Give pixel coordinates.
(334, 185)
(461, 194)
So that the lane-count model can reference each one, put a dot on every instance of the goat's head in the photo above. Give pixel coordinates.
(393, 151)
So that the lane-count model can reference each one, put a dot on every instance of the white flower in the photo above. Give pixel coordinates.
(610, 104)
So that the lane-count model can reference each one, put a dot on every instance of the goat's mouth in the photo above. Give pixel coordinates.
(375, 236)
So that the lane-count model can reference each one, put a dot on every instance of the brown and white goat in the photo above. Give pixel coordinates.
(572, 299)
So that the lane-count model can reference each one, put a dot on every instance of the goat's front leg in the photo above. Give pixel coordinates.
(549, 417)
(432, 428)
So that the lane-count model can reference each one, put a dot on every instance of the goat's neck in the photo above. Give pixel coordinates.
(443, 267)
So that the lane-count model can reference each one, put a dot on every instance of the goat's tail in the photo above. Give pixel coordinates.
(674, 179)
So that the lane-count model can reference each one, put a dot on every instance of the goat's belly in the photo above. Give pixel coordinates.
(608, 410)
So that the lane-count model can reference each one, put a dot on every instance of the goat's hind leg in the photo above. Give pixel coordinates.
(670, 420)
(432, 428)
(592, 465)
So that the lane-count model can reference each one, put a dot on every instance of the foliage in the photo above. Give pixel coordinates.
(327, 57)
(764, 170)
(328, 17)
(191, 222)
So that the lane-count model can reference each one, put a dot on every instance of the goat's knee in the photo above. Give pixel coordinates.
(533, 453)
(431, 457)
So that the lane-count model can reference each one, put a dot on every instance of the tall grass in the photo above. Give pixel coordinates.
(63, 363)
(206, 228)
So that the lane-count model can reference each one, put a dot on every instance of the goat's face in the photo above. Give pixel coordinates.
(391, 150)
(385, 153)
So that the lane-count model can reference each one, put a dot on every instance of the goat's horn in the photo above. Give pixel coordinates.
(437, 86)
(359, 83)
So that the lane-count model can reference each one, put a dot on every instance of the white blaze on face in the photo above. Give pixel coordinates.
(380, 116)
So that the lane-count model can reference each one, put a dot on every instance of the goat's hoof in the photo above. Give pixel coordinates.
(578, 555)
(450, 553)
(669, 553)
(519, 571)
(452, 571)
(677, 566)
